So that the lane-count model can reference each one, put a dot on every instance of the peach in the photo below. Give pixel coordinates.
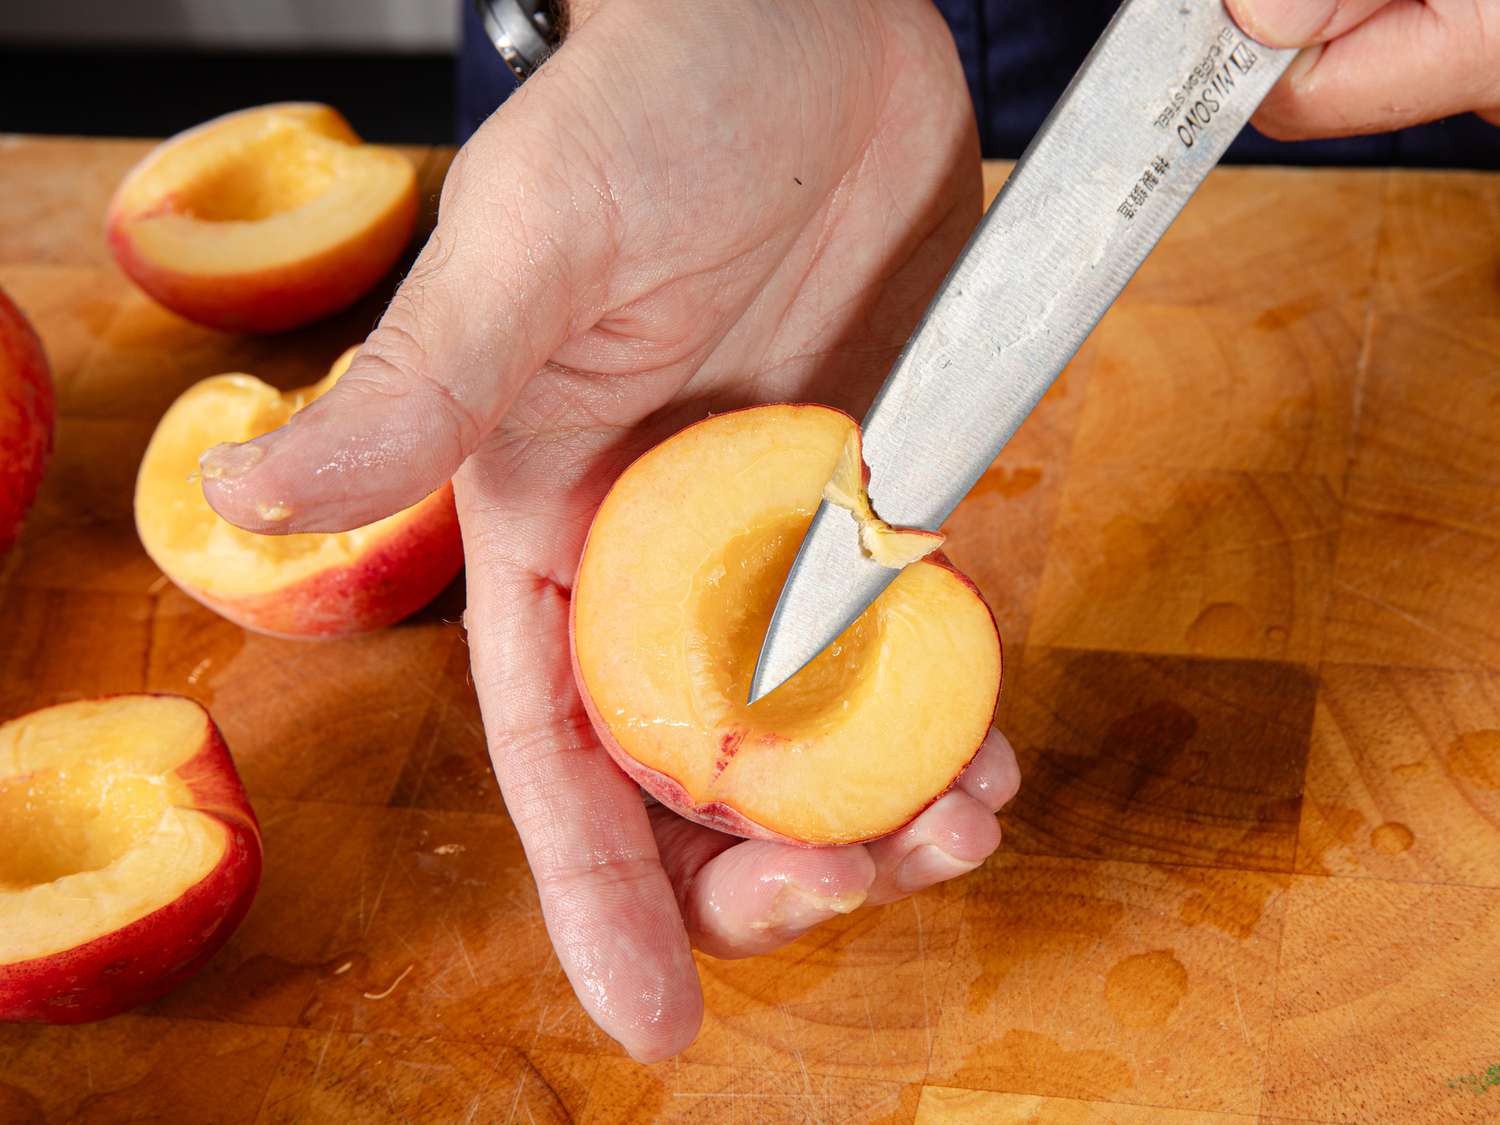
(680, 573)
(27, 415)
(264, 219)
(128, 854)
(309, 585)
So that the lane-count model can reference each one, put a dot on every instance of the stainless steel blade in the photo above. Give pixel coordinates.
(1148, 115)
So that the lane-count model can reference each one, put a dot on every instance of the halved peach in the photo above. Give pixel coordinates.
(27, 414)
(308, 585)
(264, 219)
(680, 573)
(128, 854)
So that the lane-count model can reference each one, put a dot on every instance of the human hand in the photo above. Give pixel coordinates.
(1375, 65)
(695, 205)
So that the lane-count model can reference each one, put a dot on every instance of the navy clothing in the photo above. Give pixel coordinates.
(1018, 55)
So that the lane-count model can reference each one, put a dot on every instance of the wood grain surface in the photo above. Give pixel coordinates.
(1246, 557)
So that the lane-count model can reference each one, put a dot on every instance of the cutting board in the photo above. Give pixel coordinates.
(1246, 559)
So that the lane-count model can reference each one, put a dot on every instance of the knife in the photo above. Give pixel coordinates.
(1157, 101)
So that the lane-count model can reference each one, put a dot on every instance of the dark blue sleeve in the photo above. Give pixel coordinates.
(1018, 55)
(484, 81)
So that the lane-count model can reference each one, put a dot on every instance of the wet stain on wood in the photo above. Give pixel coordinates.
(1475, 757)
(1028, 1060)
(1220, 627)
(1144, 989)
(1007, 483)
(1326, 827)
(1232, 902)
(1391, 838)
(1036, 927)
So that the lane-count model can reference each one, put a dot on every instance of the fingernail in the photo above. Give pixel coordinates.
(1282, 23)
(797, 909)
(928, 865)
(992, 778)
(1306, 59)
(229, 460)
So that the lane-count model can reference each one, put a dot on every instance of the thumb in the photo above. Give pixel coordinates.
(502, 282)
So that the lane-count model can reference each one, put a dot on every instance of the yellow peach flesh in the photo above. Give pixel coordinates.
(895, 547)
(682, 569)
(259, 190)
(95, 829)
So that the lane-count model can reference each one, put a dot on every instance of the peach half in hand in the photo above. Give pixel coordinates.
(680, 573)
(128, 854)
(27, 414)
(308, 585)
(264, 219)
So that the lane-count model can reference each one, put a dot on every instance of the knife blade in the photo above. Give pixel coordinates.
(1159, 98)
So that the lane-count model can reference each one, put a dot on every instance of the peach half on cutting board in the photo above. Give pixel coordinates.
(679, 576)
(264, 219)
(305, 585)
(27, 414)
(128, 854)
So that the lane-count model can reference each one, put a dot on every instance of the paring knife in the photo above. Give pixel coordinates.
(1157, 101)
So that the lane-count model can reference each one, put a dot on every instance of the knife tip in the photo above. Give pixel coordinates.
(760, 683)
(771, 666)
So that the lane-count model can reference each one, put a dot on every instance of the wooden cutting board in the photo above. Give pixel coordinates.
(1246, 557)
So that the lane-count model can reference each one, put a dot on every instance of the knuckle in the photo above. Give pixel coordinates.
(430, 264)
(581, 880)
(560, 737)
(395, 362)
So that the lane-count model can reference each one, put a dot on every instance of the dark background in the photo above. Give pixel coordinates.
(151, 68)
(156, 91)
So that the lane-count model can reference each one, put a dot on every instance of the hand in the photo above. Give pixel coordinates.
(696, 204)
(1374, 65)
